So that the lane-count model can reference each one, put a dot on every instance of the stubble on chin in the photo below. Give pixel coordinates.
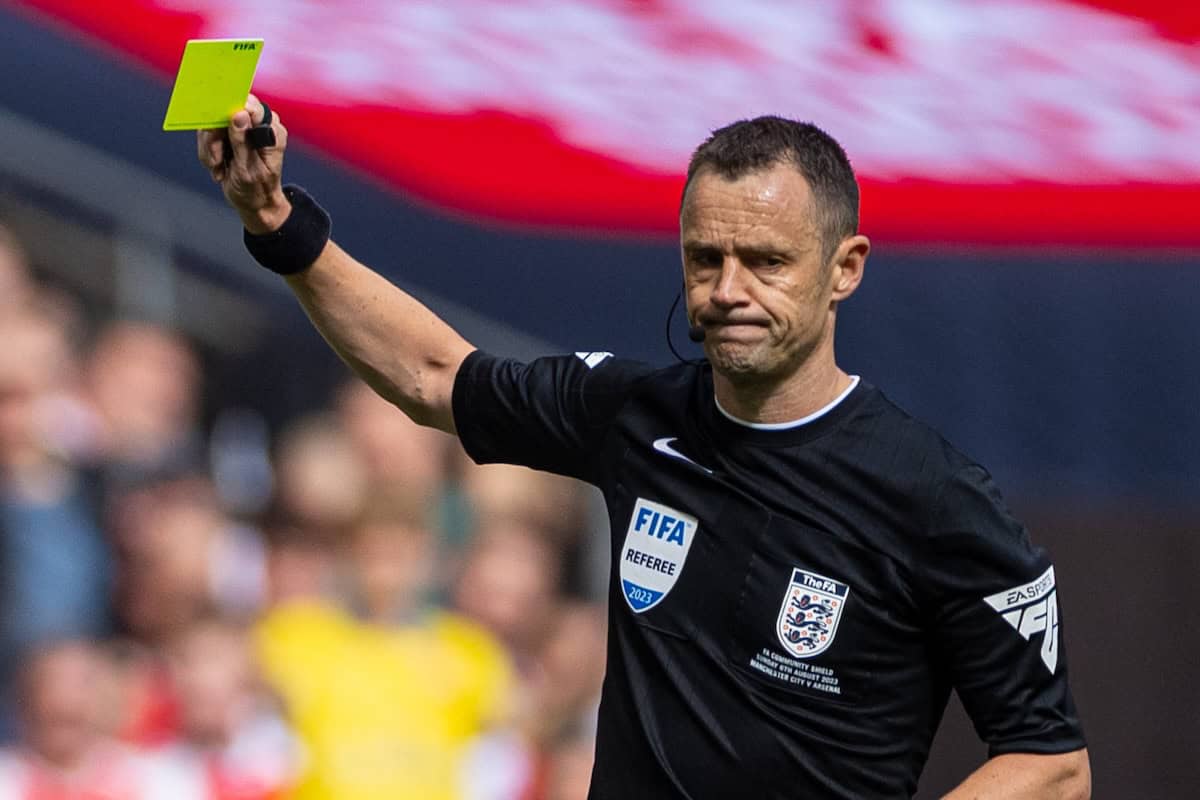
(753, 366)
(738, 363)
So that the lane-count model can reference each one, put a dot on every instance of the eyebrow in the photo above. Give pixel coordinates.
(754, 249)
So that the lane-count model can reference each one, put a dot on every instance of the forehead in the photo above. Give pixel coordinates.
(773, 203)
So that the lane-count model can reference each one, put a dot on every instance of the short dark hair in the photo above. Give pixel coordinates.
(751, 145)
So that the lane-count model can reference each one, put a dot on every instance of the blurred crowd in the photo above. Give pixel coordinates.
(194, 604)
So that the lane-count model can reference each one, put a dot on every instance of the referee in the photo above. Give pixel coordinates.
(801, 572)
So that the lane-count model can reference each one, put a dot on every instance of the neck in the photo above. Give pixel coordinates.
(63, 761)
(389, 609)
(810, 388)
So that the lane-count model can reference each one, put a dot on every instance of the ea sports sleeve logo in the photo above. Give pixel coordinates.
(811, 610)
(656, 546)
(1032, 608)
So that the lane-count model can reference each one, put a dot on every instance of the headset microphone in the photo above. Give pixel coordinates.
(695, 332)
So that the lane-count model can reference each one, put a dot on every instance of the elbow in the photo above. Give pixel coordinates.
(424, 395)
(1076, 781)
(428, 401)
(1077, 789)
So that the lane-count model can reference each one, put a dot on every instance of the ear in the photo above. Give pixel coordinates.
(848, 265)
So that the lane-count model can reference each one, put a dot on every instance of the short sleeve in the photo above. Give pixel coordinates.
(996, 622)
(549, 414)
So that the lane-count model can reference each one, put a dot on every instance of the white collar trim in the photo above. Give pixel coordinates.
(796, 423)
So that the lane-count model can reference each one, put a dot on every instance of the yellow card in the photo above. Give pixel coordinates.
(213, 82)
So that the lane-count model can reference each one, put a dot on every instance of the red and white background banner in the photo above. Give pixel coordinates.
(997, 122)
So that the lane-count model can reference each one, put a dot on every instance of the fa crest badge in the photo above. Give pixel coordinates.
(808, 618)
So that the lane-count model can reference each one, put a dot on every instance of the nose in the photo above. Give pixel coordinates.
(730, 290)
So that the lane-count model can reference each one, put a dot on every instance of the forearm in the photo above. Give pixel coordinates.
(396, 344)
(391, 340)
(1026, 776)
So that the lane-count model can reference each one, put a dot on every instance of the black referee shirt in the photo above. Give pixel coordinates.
(789, 609)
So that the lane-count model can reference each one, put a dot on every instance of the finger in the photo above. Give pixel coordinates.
(209, 147)
(240, 119)
(202, 149)
(255, 107)
(242, 152)
(280, 133)
(263, 134)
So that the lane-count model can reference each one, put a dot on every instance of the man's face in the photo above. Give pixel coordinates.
(754, 273)
(61, 704)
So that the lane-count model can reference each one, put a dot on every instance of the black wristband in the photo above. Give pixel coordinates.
(298, 241)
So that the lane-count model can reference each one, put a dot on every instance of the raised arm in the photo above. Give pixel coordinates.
(396, 344)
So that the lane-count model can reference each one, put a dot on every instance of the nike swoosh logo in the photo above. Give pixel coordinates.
(664, 446)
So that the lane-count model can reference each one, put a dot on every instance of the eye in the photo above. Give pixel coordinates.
(767, 261)
(705, 258)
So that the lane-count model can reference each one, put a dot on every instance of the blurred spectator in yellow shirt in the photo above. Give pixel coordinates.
(388, 695)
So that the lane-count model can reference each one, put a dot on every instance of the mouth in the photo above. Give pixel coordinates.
(734, 331)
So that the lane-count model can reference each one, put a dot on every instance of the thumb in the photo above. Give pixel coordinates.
(238, 125)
